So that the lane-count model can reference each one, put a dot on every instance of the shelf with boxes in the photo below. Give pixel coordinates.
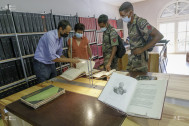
(18, 42)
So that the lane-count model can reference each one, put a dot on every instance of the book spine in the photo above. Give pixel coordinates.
(40, 22)
(10, 21)
(21, 45)
(16, 21)
(1, 76)
(34, 24)
(5, 47)
(23, 30)
(1, 28)
(29, 19)
(25, 44)
(10, 48)
(6, 22)
(19, 69)
(49, 21)
(26, 24)
(52, 21)
(2, 54)
(56, 18)
(44, 23)
(2, 23)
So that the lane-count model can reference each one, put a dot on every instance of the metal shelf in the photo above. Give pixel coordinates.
(12, 84)
(9, 60)
(14, 34)
(119, 29)
(27, 56)
(31, 33)
(32, 77)
(65, 48)
(94, 57)
(90, 30)
(100, 57)
(98, 31)
(99, 44)
(92, 43)
(6, 35)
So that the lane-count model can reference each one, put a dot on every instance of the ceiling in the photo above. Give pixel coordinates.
(119, 2)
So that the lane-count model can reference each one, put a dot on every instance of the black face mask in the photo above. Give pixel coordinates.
(64, 35)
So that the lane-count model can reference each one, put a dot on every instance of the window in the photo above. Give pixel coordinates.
(174, 25)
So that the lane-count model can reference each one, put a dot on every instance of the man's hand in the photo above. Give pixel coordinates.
(138, 51)
(108, 68)
(75, 61)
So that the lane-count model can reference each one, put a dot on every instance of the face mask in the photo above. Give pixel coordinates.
(126, 19)
(103, 29)
(78, 35)
(64, 35)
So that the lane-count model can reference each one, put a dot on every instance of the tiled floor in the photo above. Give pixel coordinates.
(177, 64)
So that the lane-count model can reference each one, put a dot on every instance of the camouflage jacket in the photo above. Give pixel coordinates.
(138, 62)
(109, 35)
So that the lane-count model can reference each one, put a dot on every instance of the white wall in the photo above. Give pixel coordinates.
(150, 9)
(84, 8)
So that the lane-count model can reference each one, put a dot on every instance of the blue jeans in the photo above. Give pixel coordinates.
(43, 71)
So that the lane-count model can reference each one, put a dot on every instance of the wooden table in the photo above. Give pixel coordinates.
(173, 115)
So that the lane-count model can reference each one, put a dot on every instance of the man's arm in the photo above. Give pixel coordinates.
(89, 51)
(69, 52)
(156, 37)
(114, 43)
(114, 50)
(66, 60)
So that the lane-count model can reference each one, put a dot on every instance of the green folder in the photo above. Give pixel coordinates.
(42, 96)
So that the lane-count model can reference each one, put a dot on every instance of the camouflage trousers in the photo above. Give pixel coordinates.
(114, 64)
(138, 62)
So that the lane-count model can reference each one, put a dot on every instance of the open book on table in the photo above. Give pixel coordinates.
(103, 74)
(144, 98)
(82, 68)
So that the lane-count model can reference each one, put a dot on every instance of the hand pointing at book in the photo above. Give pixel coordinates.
(75, 60)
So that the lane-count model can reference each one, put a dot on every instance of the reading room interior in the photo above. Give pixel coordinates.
(94, 63)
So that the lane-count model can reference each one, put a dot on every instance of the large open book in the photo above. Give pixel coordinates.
(83, 67)
(103, 74)
(144, 98)
(42, 96)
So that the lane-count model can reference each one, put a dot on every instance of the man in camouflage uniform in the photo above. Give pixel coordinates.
(110, 42)
(139, 32)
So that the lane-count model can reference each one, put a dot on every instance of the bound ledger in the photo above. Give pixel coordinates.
(103, 74)
(82, 68)
(144, 98)
(42, 96)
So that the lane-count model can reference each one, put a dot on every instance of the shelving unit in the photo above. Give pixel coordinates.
(24, 58)
(27, 80)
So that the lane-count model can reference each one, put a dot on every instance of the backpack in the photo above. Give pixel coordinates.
(148, 40)
(120, 48)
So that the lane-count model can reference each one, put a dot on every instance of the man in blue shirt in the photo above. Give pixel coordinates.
(49, 51)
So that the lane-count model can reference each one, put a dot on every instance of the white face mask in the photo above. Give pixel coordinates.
(103, 29)
(126, 19)
(78, 35)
